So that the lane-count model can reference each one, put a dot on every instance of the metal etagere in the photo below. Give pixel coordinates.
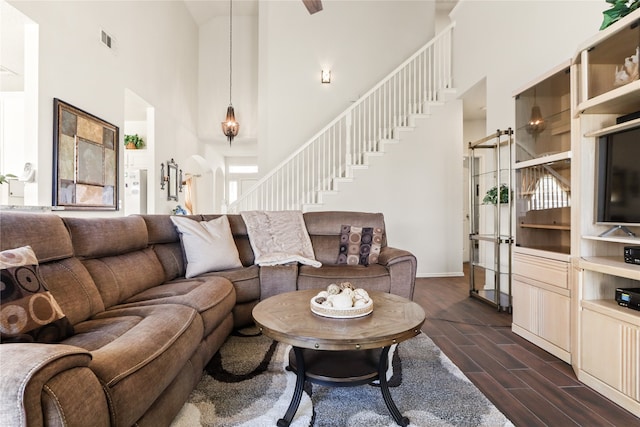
(491, 212)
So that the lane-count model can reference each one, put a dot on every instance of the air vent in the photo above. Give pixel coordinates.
(105, 39)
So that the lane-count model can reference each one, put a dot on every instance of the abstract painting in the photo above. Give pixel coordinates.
(85, 156)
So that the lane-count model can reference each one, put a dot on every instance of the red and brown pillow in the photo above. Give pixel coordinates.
(28, 311)
(360, 245)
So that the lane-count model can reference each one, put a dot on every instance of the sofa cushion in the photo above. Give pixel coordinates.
(122, 276)
(246, 281)
(74, 288)
(359, 245)
(172, 259)
(374, 277)
(45, 233)
(99, 237)
(208, 245)
(137, 352)
(28, 311)
(212, 297)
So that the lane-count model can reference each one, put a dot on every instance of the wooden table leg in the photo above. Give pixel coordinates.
(297, 393)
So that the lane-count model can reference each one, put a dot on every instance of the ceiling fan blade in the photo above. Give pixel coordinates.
(313, 6)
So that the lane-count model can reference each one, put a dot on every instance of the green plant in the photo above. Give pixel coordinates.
(492, 195)
(619, 9)
(134, 139)
(3, 178)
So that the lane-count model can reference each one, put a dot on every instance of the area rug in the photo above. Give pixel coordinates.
(246, 384)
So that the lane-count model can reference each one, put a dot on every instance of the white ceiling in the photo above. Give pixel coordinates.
(203, 10)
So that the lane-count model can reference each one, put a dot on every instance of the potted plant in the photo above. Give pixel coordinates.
(492, 195)
(618, 10)
(3, 178)
(133, 142)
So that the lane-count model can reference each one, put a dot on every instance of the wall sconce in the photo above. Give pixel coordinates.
(325, 76)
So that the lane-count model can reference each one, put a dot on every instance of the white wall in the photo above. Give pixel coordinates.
(511, 42)
(155, 55)
(417, 185)
(360, 41)
(213, 87)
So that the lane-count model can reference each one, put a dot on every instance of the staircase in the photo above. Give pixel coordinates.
(361, 131)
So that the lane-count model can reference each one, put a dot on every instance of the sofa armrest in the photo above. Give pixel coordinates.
(402, 267)
(40, 382)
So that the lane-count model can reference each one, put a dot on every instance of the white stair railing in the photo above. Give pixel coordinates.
(360, 129)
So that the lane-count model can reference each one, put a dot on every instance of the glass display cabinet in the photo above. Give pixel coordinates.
(541, 256)
(543, 164)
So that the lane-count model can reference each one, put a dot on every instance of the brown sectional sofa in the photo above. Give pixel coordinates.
(142, 332)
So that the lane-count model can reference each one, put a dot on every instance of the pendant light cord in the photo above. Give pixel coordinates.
(230, 45)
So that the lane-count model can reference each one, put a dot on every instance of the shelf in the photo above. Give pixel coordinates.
(615, 128)
(491, 238)
(546, 226)
(614, 266)
(555, 157)
(615, 239)
(611, 309)
(622, 100)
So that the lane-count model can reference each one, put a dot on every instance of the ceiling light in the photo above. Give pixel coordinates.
(230, 126)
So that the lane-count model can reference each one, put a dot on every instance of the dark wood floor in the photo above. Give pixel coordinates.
(530, 386)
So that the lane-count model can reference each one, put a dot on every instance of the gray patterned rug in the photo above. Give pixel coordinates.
(246, 385)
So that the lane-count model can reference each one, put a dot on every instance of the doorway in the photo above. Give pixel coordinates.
(139, 164)
(474, 116)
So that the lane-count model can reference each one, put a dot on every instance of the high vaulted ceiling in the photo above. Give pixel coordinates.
(203, 10)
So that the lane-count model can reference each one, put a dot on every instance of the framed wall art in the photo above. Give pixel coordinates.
(85, 159)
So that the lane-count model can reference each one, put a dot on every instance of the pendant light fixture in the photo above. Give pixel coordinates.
(536, 125)
(230, 126)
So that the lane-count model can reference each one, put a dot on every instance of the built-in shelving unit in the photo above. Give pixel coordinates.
(541, 259)
(606, 339)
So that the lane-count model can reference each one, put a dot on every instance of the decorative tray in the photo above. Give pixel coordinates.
(341, 313)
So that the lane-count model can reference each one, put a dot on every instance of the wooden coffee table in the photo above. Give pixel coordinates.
(339, 352)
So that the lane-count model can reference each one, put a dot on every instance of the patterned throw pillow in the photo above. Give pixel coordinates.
(28, 311)
(360, 245)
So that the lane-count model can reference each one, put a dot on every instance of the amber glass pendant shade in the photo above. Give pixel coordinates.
(230, 127)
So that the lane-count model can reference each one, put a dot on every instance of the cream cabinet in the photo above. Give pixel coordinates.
(541, 257)
(542, 304)
(610, 354)
(606, 342)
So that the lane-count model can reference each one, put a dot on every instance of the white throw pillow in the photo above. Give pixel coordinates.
(208, 245)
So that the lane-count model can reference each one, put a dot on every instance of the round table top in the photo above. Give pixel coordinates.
(288, 318)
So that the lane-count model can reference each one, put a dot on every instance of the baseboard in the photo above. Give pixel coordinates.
(431, 275)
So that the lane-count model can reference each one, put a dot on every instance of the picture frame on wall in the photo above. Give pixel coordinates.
(85, 159)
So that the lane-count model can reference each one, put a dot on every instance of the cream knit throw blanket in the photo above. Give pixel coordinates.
(279, 237)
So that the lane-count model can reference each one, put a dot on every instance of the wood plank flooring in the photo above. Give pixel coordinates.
(530, 386)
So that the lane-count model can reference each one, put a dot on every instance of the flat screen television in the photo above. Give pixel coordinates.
(618, 180)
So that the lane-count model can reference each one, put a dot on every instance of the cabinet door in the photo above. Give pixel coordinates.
(610, 352)
(525, 305)
(542, 312)
(555, 320)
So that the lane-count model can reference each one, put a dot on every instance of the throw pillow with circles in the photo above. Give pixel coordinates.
(359, 245)
(28, 311)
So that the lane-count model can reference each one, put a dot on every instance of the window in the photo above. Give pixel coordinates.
(549, 193)
(242, 174)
